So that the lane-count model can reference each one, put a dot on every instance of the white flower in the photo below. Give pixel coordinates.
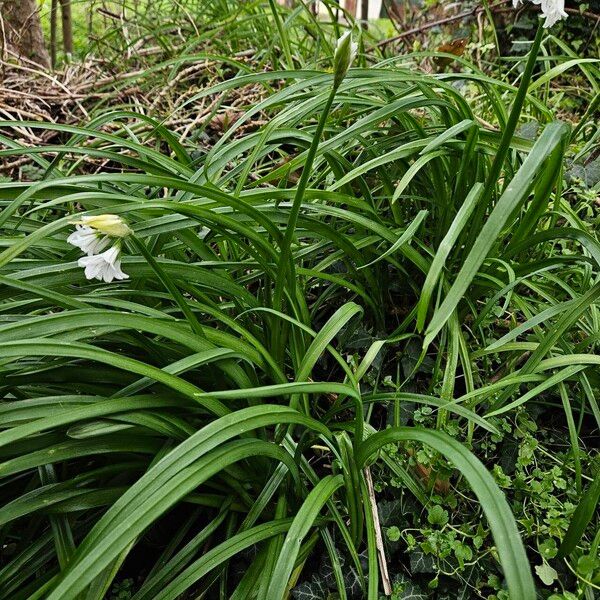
(553, 10)
(345, 53)
(93, 234)
(88, 240)
(111, 225)
(105, 266)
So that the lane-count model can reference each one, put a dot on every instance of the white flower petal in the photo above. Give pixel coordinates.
(111, 255)
(104, 267)
(342, 39)
(88, 240)
(552, 10)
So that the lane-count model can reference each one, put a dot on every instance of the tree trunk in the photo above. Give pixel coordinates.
(23, 29)
(393, 11)
(53, 32)
(67, 26)
(351, 7)
(364, 12)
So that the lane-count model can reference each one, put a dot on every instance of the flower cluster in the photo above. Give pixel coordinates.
(93, 235)
(553, 10)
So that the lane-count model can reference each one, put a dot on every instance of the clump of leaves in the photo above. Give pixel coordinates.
(427, 246)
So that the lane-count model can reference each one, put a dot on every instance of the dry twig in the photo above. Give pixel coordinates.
(385, 578)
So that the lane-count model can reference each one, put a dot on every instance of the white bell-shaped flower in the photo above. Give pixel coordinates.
(88, 240)
(553, 10)
(105, 266)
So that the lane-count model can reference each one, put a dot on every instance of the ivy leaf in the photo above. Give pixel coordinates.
(355, 337)
(410, 358)
(465, 592)
(413, 594)
(509, 453)
(326, 570)
(390, 512)
(528, 130)
(405, 589)
(407, 410)
(315, 589)
(352, 584)
(588, 173)
(421, 563)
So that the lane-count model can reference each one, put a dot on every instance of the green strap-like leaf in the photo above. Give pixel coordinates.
(581, 517)
(303, 521)
(220, 554)
(514, 194)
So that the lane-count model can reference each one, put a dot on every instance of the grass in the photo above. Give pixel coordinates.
(370, 279)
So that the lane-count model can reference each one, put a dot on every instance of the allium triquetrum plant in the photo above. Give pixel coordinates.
(208, 398)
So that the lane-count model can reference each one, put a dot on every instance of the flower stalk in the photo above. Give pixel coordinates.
(344, 55)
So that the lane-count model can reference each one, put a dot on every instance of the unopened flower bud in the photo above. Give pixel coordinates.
(345, 53)
(111, 225)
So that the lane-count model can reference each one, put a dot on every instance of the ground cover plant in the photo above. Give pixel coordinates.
(345, 343)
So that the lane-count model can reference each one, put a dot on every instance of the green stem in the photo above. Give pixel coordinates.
(285, 267)
(490, 18)
(171, 287)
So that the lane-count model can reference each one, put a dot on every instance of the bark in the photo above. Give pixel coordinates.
(364, 12)
(23, 30)
(67, 26)
(53, 32)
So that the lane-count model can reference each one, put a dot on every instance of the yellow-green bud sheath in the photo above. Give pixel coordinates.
(111, 225)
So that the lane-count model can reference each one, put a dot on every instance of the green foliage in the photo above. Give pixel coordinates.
(204, 427)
